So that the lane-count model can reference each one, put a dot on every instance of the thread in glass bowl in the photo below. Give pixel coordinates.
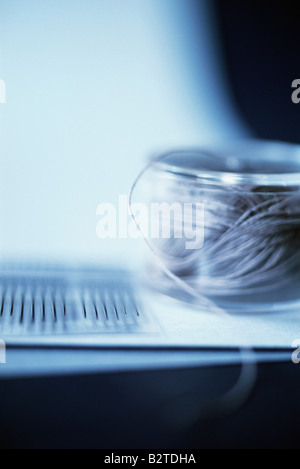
(248, 255)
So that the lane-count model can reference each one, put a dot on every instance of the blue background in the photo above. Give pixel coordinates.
(93, 89)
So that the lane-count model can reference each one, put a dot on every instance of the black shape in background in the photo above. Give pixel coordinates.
(145, 410)
(260, 42)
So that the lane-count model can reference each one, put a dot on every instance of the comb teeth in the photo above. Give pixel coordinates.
(38, 306)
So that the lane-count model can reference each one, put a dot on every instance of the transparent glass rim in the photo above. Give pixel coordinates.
(267, 154)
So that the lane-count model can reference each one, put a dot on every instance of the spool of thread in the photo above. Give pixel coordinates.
(246, 253)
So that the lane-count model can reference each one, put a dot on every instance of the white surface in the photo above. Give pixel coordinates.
(194, 326)
(30, 363)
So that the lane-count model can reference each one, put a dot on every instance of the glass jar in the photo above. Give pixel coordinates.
(230, 217)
